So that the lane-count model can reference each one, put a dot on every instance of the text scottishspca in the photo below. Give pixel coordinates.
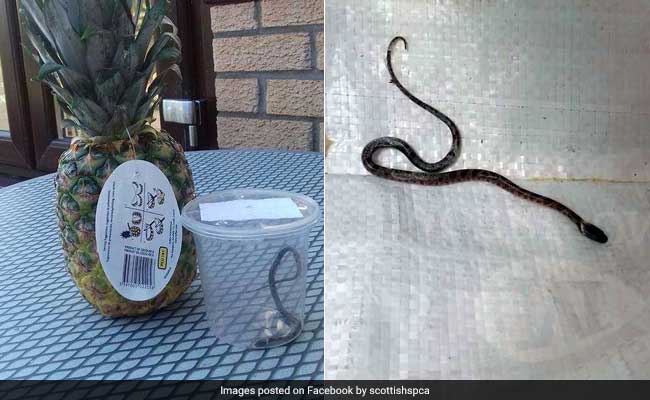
(372, 391)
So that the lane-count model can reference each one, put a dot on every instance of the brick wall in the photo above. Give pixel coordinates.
(268, 58)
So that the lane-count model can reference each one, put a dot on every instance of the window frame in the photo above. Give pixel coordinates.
(16, 150)
(48, 146)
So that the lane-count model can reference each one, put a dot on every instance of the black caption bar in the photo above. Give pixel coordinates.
(439, 390)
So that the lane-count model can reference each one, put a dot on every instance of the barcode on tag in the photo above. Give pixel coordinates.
(138, 271)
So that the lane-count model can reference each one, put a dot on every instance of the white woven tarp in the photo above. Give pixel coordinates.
(467, 281)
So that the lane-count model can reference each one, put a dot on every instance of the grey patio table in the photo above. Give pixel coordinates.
(47, 330)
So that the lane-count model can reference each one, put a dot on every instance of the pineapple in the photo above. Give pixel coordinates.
(99, 59)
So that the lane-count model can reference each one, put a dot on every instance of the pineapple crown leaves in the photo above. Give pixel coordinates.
(99, 58)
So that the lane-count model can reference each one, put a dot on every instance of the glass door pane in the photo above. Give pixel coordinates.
(15, 143)
(4, 117)
(64, 133)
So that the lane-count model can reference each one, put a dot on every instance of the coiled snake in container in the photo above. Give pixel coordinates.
(433, 175)
(292, 322)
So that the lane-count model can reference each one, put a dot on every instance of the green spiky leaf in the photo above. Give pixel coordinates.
(47, 69)
(109, 88)
(67, 41)
(152, 20)
(34, 11)
(87, 32)
(98, 58)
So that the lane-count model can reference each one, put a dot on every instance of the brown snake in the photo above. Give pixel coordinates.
(433, 175)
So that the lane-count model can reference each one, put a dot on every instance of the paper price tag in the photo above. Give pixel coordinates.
(138, 230)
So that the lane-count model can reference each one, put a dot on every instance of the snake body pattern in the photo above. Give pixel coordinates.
(433, 174)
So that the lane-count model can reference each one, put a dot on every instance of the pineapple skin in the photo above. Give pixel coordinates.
(83, 170)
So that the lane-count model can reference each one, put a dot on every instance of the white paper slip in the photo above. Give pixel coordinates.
(245, 210)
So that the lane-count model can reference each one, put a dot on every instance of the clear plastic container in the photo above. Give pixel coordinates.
(252, 252)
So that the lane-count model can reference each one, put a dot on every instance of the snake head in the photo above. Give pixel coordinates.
(593, 232)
